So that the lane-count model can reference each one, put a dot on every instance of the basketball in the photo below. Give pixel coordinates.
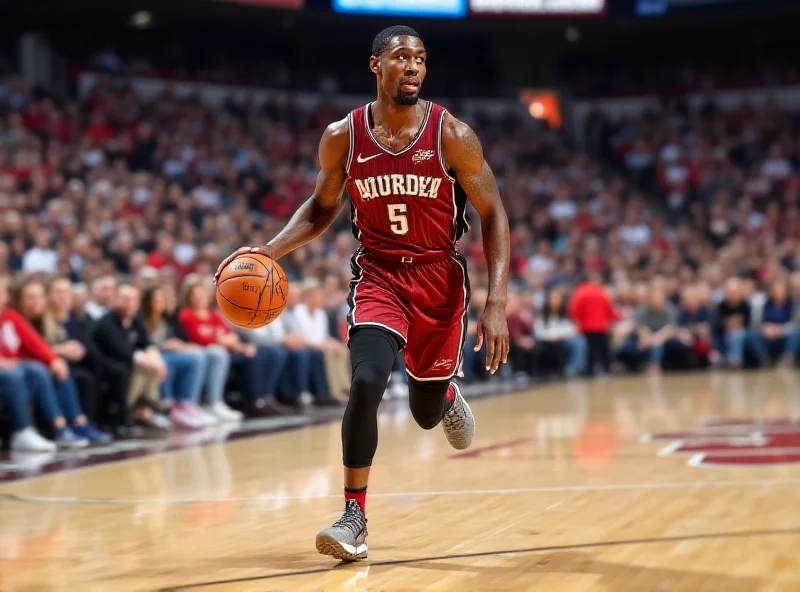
(251, 291)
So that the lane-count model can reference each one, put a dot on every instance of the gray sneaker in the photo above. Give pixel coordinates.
(346, 540)
(458, 422)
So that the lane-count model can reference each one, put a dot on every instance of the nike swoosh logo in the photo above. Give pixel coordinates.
(360, 159)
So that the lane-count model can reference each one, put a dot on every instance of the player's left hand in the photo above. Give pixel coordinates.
(238, 253)
(493, 329)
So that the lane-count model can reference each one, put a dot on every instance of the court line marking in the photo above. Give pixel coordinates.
(455, 492)
(792, 531)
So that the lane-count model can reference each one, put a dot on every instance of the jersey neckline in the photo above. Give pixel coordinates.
(420, 131)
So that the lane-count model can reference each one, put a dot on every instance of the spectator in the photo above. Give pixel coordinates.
(30, 301)
(186, 363)
(121, 337)
(592, 312)
(559, 347)
(734, 336)
(655, 327)
(25, 359)
(41, 257)
(67, 332)
(779, 335)
(327, 352)
(474, 366)
(520, 333)
(104, 291)
(260, 367)
(694, 345)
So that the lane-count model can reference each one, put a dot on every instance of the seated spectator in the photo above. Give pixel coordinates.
(474, 364)
(30, 301)
(326, 351)
(303, 367)
(592, 312)
(186, 363)
(694, 345)
(260, 367)
(655, 326)
(217, 362)
(136, 368)
(520, 335)
(559, 347)
(104, 290)
(27, 368)
(733, 334)
(67, 331)
(779, 335)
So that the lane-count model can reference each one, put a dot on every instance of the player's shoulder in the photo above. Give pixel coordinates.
(460, 145)
(455, 131)
(335, 142)
(338, 131)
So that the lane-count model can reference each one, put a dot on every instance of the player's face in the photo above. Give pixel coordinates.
(401, 69)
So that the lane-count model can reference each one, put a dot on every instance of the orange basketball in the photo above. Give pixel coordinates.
(252, 291)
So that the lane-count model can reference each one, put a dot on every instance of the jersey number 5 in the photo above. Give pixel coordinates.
(397, 218)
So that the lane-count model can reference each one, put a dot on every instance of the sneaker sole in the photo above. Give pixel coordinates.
(327, 545)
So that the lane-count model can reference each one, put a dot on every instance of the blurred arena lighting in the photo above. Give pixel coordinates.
(573, 34)
(543, 7)
(544, 105)
(141, 19)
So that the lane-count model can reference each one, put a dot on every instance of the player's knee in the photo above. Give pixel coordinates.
(426, 400)
(368, 384)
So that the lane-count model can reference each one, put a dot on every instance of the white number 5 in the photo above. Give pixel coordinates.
(397, 218)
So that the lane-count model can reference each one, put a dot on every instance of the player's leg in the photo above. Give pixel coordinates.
(434, 352)
(372, 354)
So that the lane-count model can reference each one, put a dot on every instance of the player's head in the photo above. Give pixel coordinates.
(399, 61)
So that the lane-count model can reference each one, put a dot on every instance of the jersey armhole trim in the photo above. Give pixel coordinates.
(440, 149)
(351, 131)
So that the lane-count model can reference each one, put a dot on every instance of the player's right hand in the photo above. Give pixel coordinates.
(238, 253)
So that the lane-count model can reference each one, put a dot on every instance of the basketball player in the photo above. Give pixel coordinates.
(409, 167)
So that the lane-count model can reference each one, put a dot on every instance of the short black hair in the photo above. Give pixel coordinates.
(384, 38)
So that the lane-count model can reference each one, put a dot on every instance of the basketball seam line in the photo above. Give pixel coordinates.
(261, 295)
(228, 300)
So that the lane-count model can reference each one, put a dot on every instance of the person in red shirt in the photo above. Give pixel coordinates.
(30, 301)
(28, 367)
(592, 311)
(205, 326)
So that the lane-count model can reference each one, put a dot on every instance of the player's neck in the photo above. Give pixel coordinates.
(394, 118)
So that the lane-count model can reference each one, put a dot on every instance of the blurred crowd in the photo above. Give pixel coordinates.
(115, 211)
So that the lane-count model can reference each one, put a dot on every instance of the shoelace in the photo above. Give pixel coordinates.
(351, 519)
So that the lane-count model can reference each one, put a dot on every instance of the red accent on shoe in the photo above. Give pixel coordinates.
(359, 496)
(450, 396)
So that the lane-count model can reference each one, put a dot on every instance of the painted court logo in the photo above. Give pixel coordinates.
(422, 155)
(735, 443)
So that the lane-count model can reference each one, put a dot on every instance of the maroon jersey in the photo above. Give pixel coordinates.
(404, 203)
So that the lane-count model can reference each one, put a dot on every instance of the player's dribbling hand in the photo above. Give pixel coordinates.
(238, 253)
(493, 329)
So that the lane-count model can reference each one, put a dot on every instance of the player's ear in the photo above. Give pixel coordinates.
(375, 65)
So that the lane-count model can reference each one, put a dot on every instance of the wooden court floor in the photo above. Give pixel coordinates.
(684, 483)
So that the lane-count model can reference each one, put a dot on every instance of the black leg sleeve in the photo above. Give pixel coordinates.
(372, 355)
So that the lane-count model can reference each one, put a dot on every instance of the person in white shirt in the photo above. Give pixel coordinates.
(41, 257)
(559, 346)
(313, 324)
(305, 366)
(104, 292)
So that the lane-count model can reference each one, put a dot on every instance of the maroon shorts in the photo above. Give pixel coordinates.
(422, 302)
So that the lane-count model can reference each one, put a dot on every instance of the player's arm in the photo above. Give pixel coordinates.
(320, 210)
(464, 155)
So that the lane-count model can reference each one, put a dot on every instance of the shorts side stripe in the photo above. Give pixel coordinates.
(464, 321)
